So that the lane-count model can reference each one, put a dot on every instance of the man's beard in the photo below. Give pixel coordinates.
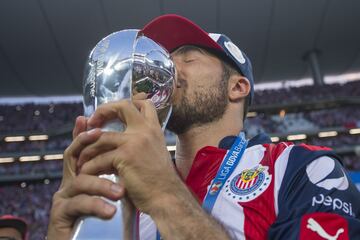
(208, 105)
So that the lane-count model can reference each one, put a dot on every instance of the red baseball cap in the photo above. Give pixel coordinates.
(173, 31)
(14, 222)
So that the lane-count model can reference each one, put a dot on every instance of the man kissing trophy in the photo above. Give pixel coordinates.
(124, 65)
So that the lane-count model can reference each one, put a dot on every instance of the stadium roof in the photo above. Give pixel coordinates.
(44, 44)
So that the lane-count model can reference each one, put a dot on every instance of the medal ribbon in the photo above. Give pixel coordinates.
(227, 167)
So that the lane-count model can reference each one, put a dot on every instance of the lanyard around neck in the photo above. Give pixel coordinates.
(228, 165)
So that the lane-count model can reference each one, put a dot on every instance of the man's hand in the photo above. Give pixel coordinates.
(139, 154)
(76, 196)
(140, 157)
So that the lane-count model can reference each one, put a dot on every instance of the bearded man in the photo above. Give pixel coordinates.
(221, 185)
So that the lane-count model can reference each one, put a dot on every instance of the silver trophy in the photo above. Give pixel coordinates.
(122, 65)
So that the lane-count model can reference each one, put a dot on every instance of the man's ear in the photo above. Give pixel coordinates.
(238, 88)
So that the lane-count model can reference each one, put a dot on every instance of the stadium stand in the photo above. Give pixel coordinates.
(37, 118)
(308, 93)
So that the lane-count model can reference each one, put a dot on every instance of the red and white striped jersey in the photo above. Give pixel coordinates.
(272, 191)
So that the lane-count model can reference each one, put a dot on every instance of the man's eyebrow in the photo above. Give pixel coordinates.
(188, 48)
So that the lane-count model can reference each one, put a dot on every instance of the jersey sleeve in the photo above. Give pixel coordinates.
(317, 199)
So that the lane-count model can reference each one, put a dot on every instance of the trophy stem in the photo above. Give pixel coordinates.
(124, 223)
(164, 116)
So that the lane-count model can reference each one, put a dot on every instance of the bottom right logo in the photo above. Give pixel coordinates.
(322, 226)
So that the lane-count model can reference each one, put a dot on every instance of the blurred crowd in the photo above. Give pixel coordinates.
(307, 93)
(351, 162)
(32, 168)
(31, 202)
(341, 140)
(37, 118)
(347, 117)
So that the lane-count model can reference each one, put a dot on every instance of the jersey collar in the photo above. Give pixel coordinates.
(228, 141)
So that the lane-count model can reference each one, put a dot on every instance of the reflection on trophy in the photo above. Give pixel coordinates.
(122, 65)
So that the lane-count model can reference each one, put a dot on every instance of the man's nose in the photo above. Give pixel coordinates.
(177, 78)
(177, 73)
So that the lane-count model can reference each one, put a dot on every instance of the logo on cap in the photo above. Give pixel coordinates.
(235, 51)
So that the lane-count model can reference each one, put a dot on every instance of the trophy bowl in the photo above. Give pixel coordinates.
(124, 64)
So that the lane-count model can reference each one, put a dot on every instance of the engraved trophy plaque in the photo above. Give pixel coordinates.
(121, 65)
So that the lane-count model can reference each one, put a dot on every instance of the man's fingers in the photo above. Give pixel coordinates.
(107, 141)
(94, 185)
(140, 96)
(123, 110)
(71, 153)
(80, 126)
(69, 168)
(100, 164)
(83, 204)
(147, 109)
(86, 195)
(81, 141)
